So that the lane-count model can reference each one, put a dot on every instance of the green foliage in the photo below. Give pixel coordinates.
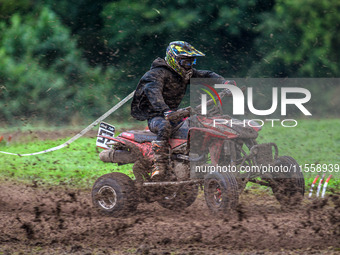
(65, 60)
(300, 39)
(43, 75)
(224, 30)
(83, 18)
(8, 7)
(43, 40)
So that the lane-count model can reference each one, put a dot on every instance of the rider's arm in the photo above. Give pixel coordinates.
(211, 74)
(206, 74)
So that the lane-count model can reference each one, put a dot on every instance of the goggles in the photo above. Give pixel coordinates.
(187, 62)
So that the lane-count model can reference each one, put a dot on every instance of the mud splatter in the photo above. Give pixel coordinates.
(56, 220)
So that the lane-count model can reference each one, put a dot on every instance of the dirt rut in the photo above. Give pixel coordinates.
(58, 220)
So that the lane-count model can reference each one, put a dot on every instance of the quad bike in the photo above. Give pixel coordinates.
(195, 142)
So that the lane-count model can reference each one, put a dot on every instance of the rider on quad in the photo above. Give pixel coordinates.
(160, 92)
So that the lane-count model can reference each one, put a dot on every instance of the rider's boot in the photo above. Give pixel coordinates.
(161, 159)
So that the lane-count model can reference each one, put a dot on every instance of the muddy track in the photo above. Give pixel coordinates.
(55, 220)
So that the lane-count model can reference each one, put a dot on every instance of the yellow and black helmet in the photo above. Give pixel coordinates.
(181, 56)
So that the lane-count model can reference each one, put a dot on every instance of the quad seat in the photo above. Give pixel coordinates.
(139, 136)
(142, 136)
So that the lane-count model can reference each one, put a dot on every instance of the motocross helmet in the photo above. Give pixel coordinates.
(181, 56)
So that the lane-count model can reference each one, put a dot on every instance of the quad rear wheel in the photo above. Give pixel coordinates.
(114, 194)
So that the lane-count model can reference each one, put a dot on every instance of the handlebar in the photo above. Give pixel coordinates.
(185, 112)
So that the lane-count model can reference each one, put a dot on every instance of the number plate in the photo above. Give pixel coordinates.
(105, 133)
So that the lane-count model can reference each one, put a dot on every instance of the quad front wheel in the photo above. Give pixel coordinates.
(289, 186)
(221, 192)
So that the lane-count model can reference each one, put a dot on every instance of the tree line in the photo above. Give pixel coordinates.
(61, 60)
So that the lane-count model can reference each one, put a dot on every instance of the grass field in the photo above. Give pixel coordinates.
(311, 142)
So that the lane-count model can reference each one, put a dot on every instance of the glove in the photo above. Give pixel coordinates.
(232, 82)
(177, 116)
(167, 113)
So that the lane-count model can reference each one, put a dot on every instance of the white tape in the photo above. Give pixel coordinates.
(320, 184)
(81, 133)
(325, 187)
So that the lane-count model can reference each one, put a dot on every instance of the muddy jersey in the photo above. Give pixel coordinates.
(162, 89)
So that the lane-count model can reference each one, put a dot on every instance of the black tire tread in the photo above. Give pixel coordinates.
(281, 188)
(230, 192)
(183, 201)
(126, 186)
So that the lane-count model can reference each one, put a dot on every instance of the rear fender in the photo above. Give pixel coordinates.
(139, 149)
(176, 142)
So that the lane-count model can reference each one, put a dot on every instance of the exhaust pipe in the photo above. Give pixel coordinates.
(117, 156)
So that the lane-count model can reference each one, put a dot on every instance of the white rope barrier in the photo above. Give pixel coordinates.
(81, 133)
